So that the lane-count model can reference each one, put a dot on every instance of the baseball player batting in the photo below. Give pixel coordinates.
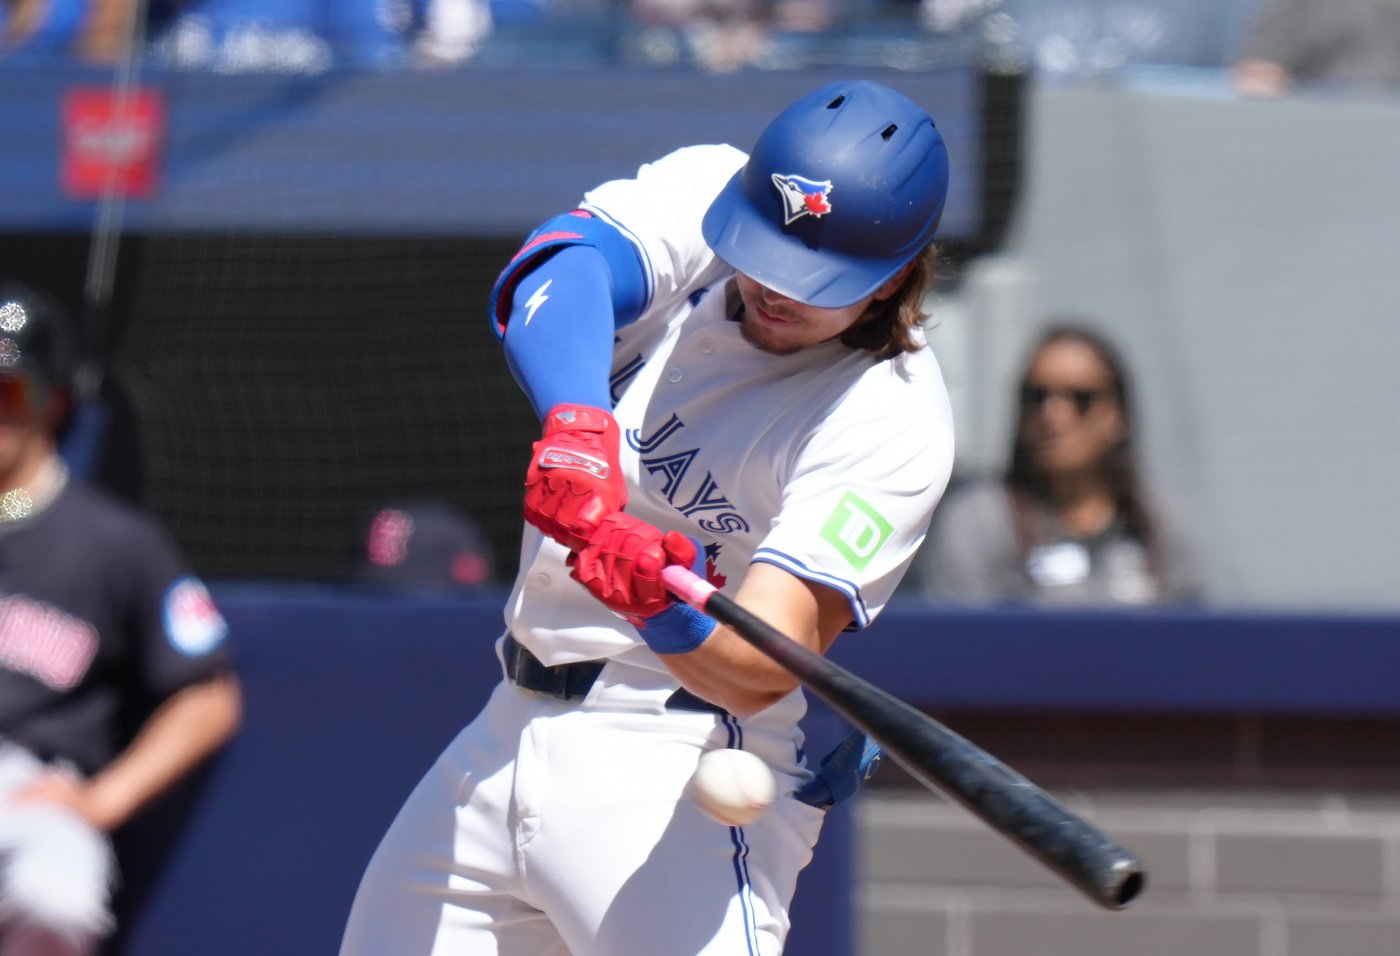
(726, 356)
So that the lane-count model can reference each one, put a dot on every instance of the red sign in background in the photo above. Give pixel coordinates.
(112, 136)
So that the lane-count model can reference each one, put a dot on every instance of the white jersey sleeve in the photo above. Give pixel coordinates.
(857, 502)
(660, 211)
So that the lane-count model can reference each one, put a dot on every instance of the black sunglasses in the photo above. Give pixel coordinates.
(1034, 397)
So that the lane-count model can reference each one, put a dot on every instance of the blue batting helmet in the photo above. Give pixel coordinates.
(841, 190)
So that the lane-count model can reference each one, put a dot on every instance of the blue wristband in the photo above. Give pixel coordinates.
(677, 630)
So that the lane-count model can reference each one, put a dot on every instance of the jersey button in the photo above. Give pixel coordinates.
(707, 346)
(674, 375)
(542, 579)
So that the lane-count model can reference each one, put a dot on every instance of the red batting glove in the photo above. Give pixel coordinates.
(621, 564)
(574, 480)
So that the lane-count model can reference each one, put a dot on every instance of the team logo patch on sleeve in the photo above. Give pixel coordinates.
(856, 530)
(193, 624)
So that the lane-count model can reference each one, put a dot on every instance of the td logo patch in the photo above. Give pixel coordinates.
(856, 530)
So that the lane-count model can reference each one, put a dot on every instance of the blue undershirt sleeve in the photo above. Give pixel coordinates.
(559, 337)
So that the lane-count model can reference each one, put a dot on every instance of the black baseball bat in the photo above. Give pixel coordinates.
(1084, 856)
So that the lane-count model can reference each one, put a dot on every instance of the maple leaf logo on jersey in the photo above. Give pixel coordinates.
(802, 196)
(712, 567)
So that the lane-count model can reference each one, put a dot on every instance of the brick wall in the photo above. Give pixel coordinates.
(1275, 867)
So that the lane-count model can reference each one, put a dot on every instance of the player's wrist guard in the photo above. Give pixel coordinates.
(677, 630)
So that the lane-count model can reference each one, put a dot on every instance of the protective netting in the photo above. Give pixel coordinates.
(284, 387)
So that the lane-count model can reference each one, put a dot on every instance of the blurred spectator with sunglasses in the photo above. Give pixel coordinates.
(94, 31)
(115, 676)
(1071, 521)
(1341, 46)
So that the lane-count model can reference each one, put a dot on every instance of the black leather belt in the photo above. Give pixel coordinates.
(572, 681)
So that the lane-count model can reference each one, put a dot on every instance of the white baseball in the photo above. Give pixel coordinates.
(733, 786)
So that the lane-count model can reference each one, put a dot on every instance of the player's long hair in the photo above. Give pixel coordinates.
(1119, 468)
(886, 330)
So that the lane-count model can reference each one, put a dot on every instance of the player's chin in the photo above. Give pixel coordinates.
(775, 338)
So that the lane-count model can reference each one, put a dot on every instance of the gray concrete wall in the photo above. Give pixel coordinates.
(1245, 255)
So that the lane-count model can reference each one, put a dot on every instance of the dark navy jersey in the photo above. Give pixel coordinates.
(99, 618)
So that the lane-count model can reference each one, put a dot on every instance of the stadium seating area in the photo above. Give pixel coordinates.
(1075, 37)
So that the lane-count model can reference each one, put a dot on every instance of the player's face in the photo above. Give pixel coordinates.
(25, 429)
(779, 325)
(1070, 414)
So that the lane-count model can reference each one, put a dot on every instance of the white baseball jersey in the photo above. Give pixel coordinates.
(827, 462)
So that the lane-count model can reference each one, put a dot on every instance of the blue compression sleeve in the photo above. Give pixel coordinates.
(559, 339)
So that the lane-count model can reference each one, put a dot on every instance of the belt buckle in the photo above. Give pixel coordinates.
(559, 681)
(511, 654)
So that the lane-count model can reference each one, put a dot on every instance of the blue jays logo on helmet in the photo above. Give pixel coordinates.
(802, 196)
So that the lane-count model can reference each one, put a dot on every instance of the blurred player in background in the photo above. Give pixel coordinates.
(726, 353)
(1072, 521)
(99, 621)
(422, 546)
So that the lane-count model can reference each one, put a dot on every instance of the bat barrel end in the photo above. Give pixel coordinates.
(1129, 880)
